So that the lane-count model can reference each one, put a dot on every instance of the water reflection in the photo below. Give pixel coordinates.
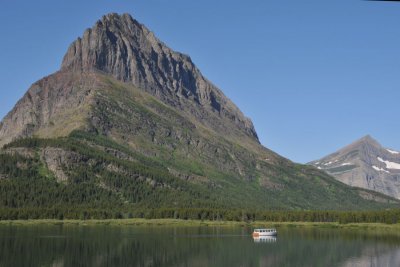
(264, 239)
(192, 246)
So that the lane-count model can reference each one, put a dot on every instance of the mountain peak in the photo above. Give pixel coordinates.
(367, 137)
(367, 140)
(366, 164)
(121, 48)
(113, 16)
(101, 46)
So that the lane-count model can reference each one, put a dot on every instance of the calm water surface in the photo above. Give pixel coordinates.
(192, 246)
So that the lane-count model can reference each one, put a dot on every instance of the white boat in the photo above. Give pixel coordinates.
(264, 232)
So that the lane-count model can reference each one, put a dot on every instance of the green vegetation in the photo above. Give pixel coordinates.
(109, 181)
(342, 168)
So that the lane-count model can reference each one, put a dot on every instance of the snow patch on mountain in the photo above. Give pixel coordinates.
(393, 152)
(389, 164)
(380, 169)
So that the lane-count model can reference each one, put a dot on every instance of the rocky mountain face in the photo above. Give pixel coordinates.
(52, 107)
(366, 164)
(129, 122)
(124, 48)
(127, 50)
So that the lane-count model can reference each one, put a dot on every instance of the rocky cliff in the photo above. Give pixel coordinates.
(126, 49)
(53, 107)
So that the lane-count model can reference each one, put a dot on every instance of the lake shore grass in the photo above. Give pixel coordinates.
(196, 223)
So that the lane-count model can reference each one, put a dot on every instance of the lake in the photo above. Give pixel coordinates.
(70, 245)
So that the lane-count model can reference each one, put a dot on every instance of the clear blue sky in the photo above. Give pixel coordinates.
(313, 75)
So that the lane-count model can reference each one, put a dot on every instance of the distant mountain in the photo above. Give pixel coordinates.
(366, 164)
(128, 122)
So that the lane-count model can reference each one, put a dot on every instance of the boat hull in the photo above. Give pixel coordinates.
(265, 234)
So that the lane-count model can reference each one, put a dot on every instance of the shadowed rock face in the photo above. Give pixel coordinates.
(121, 46)
(366, 164)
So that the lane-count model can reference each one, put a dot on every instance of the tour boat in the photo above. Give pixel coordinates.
(264, 232)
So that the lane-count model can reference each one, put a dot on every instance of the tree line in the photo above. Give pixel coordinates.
(86, 213)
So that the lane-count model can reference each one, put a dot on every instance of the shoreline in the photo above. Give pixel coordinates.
(197, 223)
